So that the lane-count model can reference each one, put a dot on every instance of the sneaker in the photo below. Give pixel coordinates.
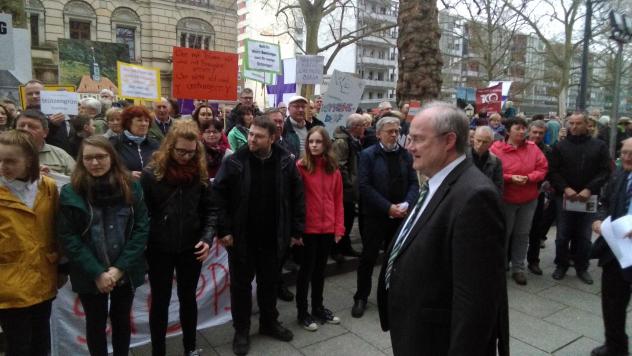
(276, 331)
(585, 277)
(559, 273)
(325, 316)
(197, 352)
(307, 322)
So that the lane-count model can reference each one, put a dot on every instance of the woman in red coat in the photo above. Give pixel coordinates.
(324, 224)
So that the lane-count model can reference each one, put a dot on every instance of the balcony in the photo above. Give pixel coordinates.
(377, 61)
(385, 84)
(387, 41)
(381, 17)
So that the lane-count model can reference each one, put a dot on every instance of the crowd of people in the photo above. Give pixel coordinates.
(454, 202)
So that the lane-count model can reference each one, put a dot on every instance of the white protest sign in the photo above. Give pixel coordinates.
(65, 102)
(263, 57)
(138, 82)
(341, 100)
(309, 69)
(261, 77)
(6, 42)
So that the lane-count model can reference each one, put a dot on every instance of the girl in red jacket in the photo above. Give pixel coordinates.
(324, 224)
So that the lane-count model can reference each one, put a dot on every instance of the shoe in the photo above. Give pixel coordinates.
(559, 273)
(535, 268)
(290, 266)
(519, 278)
(285, 295)
(276, 331)
(325, 315)
(241, 343)
(197, 352)
(585, 277)
(604, 351)
(359, 306)
(351, 253)
(307, 322)
(339, 258)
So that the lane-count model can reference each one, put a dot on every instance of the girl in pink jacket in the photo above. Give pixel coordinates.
(324, 224)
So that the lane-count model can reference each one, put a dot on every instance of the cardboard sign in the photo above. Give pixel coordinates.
(53, 102)
(47, 87)
(341, 100)
(489, 99)
(200, 74)
(6, 42)
(138, 82)
(309, 69)
(262, 56)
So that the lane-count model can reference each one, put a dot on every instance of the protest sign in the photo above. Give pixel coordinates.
(341, 100)
(414, 107)
(6, 42)
(137, 82)
(309, 69)
(68, 331)
(200, 74)
(489, 99)
(53, 102)
(262, 56)
(285, 86)
(47, 87)
(261, 77)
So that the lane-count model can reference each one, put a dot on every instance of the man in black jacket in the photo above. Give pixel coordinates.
(615, 288)
(246, 98)
(579, 167)
(261, 207)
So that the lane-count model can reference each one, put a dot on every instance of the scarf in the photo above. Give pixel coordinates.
(136, 139)
(105, 192)
(178, 174)
(214, 156)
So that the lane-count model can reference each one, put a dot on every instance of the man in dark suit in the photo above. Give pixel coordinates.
(442, 288)
(615, 282)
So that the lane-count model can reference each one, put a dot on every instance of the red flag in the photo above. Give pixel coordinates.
(489, 99)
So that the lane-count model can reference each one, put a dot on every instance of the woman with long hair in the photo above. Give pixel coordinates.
(238, 136)
(202, 114)
(217, 149)
(324, 224)
(28, 252)
(103, 228)
(183, 219)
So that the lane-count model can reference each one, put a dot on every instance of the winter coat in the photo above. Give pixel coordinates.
(231, 120)
(347, 151)
(492, 168)
(324, 212)
(134, 157)
(28, 252)
(238, 137)
(524, 160)
(292, 141)
(75, 220)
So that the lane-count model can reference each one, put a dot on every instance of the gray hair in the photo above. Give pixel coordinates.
(386, 121)
(449, 118)
(354, 119)
(538, 123)
(92, 103)
(161, 100)
(485, 130)
(107, 92)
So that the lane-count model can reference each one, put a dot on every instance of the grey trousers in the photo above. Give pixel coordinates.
(518, 218)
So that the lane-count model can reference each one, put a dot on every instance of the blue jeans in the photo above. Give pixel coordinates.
(572, 228)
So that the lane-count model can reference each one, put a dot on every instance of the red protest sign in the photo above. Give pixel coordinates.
(200, 74)
(489, 99)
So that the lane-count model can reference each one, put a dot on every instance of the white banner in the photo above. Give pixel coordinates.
(309, 69)
(263, 56)
(65, 102)
(341, 100)
(213, 300)
(6, 42)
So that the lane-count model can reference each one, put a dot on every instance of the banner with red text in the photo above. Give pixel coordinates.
(68, 333)
(489, 99)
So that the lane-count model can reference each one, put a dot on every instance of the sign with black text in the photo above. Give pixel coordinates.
(309, 69)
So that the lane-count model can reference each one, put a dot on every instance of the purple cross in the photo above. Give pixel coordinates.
(280, 88)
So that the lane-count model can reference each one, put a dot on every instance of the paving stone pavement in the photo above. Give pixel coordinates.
(547, 317)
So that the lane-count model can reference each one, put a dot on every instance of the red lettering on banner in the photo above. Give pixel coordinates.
(218, 291)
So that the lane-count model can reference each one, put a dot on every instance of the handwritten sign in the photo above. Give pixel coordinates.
(6, 42)
(309, 69)
(263, 57)
(138, 82)
(200, 74)
(341, 100)
(64, 102)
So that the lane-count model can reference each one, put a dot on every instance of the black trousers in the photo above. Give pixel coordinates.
(344, 245)
(615, 297)
(263, 263)
(543, 218)
(315, 253)
(27, 329)
(377, 233)
(161, 268)
(95, 306)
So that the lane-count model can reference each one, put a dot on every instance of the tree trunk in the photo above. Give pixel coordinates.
(561, 102)
(420, 59)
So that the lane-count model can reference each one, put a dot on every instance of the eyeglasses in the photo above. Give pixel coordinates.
(182, 152)
(99, 158)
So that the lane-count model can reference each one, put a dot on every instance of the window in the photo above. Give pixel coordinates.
(79, 30)
(34, 24)
(126, 28)
(127, 36)
(380, 95)
(195, 33)
(36, 16)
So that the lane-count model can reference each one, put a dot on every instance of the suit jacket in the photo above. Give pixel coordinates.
(448, 293)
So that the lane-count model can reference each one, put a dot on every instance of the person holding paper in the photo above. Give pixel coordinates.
(615, 287)
(579, 167)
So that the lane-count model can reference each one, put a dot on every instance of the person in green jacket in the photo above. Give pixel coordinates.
(238, 136)
(103, 227)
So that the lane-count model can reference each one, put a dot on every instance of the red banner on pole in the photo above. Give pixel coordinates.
(489, 99)
(200, 74)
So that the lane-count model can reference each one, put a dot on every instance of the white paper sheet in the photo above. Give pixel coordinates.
(615, 234)
(589, 206)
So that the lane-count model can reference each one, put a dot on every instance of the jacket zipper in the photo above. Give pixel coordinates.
(142, 163)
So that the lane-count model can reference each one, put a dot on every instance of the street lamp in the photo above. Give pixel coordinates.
(622, 34)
